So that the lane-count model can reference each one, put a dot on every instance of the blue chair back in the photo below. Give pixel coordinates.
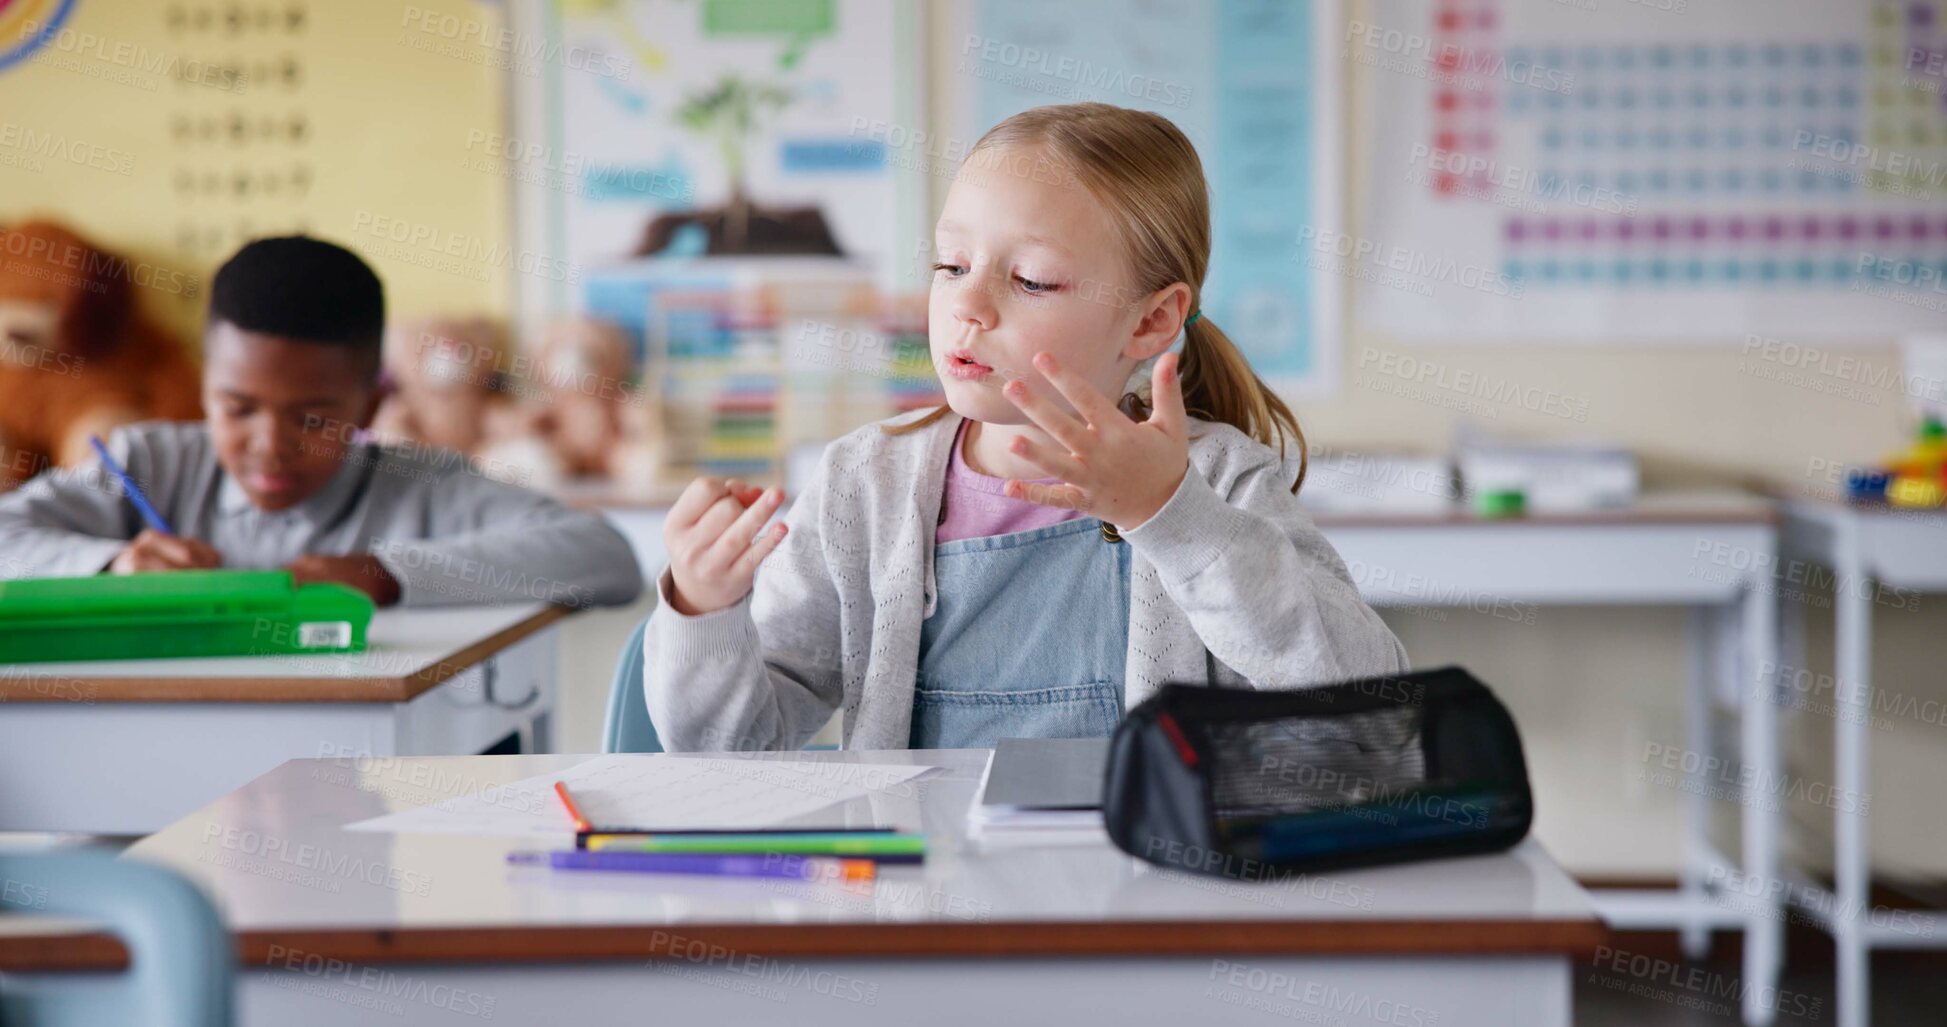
(182, 964)
(627, 727)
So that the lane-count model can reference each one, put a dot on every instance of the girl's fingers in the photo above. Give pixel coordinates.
(1048, 417)
(1092, 405)
(739, 534)
(1058, 464)
(696, 498)
(744, 492)
(1065, 497)
(747, 563)
(715, 521)
(1166, 396)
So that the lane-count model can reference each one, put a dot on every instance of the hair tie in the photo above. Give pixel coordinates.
(1192, 319)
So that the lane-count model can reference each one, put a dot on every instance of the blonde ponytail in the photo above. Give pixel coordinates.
(1219, 385)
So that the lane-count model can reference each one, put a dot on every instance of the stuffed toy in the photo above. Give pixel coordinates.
(443, 382)
(577, 415)
(78, 355)
(583, 374)
(538, 421)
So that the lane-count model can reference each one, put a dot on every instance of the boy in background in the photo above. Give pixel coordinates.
(276, 476)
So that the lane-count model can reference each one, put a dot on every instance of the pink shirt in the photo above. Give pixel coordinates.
(973, 505)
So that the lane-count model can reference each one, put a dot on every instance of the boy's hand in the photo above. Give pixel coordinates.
(363, 572)
(713, 541)
(154, 551)
(1111, 467)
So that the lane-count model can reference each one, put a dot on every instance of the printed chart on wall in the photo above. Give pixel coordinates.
(1255, 86)
(1660, 170)
(683, 106)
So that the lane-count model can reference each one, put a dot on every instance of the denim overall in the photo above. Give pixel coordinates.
(1028, 638)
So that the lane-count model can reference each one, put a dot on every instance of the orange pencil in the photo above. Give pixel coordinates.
(568, 801)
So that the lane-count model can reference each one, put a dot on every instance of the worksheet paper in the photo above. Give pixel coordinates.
(671, 793)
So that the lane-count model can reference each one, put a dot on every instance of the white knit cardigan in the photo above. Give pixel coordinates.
(1231, 585)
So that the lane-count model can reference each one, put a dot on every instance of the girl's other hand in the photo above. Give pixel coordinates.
(714, 542)
(1111, 467)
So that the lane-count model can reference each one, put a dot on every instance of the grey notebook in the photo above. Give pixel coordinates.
(1047, 773)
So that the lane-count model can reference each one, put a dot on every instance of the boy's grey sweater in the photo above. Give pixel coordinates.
(1230, 585)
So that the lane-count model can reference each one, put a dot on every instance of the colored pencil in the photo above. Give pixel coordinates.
(581, 837)
(568, 802)
(784, 867)
(865, 846)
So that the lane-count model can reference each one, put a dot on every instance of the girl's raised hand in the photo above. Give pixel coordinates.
(1110, 466)
(714, 545)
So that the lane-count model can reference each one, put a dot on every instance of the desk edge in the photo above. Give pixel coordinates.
(1349, 521)
(400, 688)
(997, 939)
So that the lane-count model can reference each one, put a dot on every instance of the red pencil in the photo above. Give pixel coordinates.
(568, 801)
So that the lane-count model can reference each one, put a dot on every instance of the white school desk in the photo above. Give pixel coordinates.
(126, 746)
(1710, 552)
(1864, 548)
(432, 928)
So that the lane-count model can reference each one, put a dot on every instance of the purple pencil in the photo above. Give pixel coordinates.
(793, 868)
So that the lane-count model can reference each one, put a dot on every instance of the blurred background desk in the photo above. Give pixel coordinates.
(1709, 552)
(1876, 555)
(126, 746)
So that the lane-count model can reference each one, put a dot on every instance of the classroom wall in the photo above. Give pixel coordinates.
(172, 132)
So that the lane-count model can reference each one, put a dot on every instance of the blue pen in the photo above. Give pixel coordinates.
(149, 514)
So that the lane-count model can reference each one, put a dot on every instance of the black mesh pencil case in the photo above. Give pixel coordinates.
(1242, 783)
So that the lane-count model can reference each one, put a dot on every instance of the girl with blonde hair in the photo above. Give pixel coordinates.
(1050, 546)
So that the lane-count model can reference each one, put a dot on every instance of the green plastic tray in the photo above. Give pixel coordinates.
(181, 613)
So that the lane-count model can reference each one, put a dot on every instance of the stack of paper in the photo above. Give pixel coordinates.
(1347, 482)
(1041, 790)
(1557, 477)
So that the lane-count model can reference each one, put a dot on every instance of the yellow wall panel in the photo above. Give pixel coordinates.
(172, 132)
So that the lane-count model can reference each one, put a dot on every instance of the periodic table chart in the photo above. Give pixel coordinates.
(1650, 170)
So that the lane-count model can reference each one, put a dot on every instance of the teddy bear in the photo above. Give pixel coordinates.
(576, 414)
(537, 420)
(78, 355)
(443, 382)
